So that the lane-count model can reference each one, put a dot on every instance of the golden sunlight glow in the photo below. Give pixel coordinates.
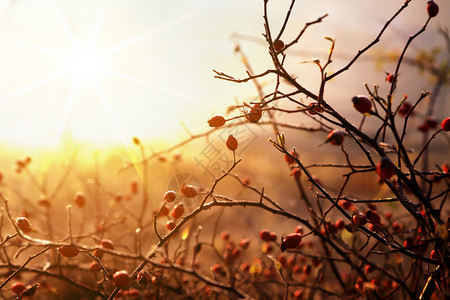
(85, 62)
(92, 80)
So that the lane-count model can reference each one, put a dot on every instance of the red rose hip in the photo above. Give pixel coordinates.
(373, 216)
(278, 45)
(405, 109)
(339, 224)
(432, 9)
(362, 104)
(359, 219)
(291, 241)
(431, 123)
(232, 143)
(434, 254)
(289, 159)
(445, 125)
(23, 224)
(178, 211)
(170, 225)
(368, 269)
(94, 266)
(390, 77)
(296, 172)
(216, 121)
(143, 277)
(335, 137)
(314, 108)
(298, 294)
(17, 288)
(80, 199)
(170, 196)
(188, 191)
(255, 114)
(108, 244)
(244, 243)
(265, 235)
(385, 168)
(164, 211)
(299, 229)
(69, 250)
(121, 278)
(218, 269)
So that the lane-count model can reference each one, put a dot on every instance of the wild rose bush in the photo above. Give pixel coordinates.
(345, 245)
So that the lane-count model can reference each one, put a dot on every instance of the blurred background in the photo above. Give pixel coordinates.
(104, 71)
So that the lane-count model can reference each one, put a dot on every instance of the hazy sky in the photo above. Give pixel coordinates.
(108, 70)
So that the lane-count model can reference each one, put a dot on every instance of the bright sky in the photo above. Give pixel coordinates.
(107, 70)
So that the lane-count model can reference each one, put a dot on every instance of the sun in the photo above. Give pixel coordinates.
(81, 67)
(85, 62)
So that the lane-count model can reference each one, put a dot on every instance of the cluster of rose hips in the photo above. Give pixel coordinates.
(231, 252)
(384, 168)
(217, 121)
(385, 287)
(104, 244)
(294, 265)
(144, 278)
(253, 116)
(178, 209)
(330, 228)
(359, 218)
(336, 137)
(371, 218)
(364, 105)
(415, 242)
(133, 191)
(121, 278)
(264, 269)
